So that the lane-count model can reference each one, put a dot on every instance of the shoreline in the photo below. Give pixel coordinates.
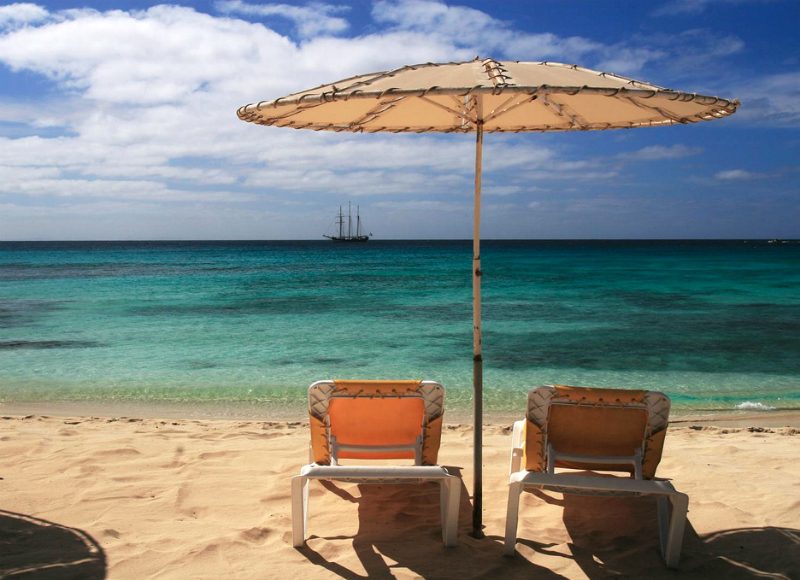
(258, 411)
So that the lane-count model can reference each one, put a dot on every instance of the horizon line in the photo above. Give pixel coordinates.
(176, 240)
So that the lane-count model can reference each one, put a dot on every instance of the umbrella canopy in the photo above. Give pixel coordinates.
(479, 96)
(514, 97)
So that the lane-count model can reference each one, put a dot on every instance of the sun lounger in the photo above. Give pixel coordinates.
(595, 430)
(389, 420)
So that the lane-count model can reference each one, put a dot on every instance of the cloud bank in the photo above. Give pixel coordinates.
(134, 112)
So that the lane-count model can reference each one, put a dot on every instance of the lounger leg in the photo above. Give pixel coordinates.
(516, 446)
(512, 516)
(671, 525)
(299, 510)
(449, 498)
(443, 496)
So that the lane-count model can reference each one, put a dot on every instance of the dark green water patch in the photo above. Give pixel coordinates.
(746, 343)
(279, 305)
(46, 344)
(16, 313)
(201, 364)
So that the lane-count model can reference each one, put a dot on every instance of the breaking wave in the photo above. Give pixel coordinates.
(754, 406)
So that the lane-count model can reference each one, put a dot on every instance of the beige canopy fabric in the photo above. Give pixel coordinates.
(514, 97)
(479, 96)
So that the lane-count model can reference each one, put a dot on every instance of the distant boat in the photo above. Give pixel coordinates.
(346, 233)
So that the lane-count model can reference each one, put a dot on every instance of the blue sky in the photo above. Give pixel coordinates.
(118, 121)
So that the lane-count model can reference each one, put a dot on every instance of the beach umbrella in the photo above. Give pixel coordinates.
(480, 96)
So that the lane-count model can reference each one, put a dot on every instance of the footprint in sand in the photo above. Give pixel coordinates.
(255, 535)
(218, 454)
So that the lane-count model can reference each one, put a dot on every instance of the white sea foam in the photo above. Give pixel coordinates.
(754, 406)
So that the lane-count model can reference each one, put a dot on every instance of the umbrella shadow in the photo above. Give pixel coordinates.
(400, 529)
(619, 536)
(35, 548)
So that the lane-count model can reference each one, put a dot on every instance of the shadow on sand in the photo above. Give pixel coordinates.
(402, 527)
(610, 536)
(616, 536)
(35, 548)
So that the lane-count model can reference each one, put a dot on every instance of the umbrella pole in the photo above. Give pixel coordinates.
(477, 356)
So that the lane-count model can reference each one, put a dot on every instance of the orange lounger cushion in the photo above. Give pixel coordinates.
(593, 431)
(376, 422)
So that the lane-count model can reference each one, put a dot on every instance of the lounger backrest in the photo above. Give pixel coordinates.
(375, 414)
(376, 422)
(595, 422)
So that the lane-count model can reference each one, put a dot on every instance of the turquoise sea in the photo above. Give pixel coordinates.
(714, 324)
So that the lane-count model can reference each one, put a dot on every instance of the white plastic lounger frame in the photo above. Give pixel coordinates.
(672, 504)
(449, 495)
(326, 450)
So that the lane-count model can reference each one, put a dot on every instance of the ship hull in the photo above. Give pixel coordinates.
(348, 240)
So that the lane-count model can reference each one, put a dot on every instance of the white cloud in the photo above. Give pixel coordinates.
(423, 205)
(666, 55)
(628, 60)
(771, 100)
(158, 56)
(431, 15)
(104, 219)
(15, 174)
(682, 7)
(736, 175)
(21, 13)
(655, 152)
(601, 203)
(477, 33)
(492, 189)
(129, 189)
(693, 7)
(310, 20)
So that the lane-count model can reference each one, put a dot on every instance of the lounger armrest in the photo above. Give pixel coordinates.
(517, 444)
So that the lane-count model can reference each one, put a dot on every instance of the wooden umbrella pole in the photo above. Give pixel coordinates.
(477, 356)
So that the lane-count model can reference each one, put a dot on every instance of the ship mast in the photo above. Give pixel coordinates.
(349, 220)
(348, 235)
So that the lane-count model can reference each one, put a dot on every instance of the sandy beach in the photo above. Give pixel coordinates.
(116, 497)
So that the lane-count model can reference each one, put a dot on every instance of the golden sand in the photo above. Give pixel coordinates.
(152, 498)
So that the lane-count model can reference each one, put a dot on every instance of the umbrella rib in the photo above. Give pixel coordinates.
(563, 110)
(296, 111)
(471, 106)
(460, 114)
(659, 110)
(503, 109)
(376, 77)
(376, 111)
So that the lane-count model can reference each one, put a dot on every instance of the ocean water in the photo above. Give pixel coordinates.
(716, 325)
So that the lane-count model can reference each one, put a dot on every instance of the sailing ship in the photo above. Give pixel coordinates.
(346, 233)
